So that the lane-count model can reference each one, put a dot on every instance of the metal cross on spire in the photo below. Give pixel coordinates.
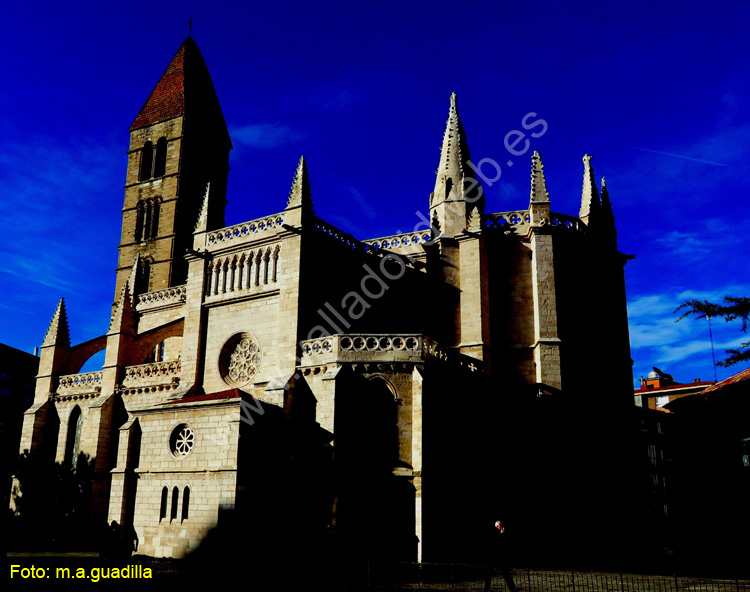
(190, 23)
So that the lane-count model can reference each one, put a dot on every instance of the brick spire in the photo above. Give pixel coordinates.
(185, 85)
(58, 333)
(300, 194)
(590, 194)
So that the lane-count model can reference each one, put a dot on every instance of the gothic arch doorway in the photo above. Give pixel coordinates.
(375, 508)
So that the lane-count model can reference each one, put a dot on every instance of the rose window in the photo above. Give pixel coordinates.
(240, 360)
(182, 440)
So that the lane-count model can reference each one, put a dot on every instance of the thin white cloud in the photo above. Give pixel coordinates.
(265, 135)
(658, 338)
(362, 203)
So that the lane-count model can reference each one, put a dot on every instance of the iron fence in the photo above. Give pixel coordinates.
(426, 576)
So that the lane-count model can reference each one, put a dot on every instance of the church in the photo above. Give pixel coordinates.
(422, 383)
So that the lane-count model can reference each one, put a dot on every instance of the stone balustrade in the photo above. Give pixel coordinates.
(520, 221)
(153, 374)
(328, 229)
(173, 295)
(409, 241)
(567, 222)
(378, 348)
(73, 384)
(246, 230)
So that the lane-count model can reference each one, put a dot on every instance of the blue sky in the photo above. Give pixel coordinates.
(656, 92)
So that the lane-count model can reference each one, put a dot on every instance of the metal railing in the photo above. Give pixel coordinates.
(426, 576)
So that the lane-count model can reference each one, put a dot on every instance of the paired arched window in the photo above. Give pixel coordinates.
(73, 441)
(147, 219)
(153, 161)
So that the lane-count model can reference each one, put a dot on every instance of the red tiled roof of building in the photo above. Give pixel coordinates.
(230, 394)
(643, 389)
(737, 378)
(185, 82)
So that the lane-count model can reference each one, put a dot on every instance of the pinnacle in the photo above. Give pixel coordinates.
(608, 216)
(135, 270)
(201, 224)
(456, 179)
(123, 316)
(590, 194)
(58, 332)
(455, 151)
(605, 194)
(539, 192)
(300, 194)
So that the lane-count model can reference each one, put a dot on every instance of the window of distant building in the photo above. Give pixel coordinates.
(661, 401)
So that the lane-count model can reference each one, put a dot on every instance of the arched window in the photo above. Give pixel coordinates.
(147, 219)
(143, 277)
(73, 441)
(175, 499)
(147, 161)
(185, 503)
(153, 228)
(157, 354)
(164, 497)
(160, 163)
(139, 214)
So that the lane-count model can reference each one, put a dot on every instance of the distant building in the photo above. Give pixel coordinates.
(658, 390)
(709, 438)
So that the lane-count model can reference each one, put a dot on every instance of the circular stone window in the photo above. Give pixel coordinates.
(239, 360)
(181, 441)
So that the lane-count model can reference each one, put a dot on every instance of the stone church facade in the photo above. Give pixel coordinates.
(281, 365)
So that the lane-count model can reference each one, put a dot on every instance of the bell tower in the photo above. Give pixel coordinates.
(179, 143)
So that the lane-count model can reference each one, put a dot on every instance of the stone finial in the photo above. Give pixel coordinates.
(474, 219)
(590, 194)
(539, 192)
(58, 332)
(300, 194)
(123, 319)
(201, 224)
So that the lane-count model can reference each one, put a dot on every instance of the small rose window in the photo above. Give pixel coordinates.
(182, 440)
